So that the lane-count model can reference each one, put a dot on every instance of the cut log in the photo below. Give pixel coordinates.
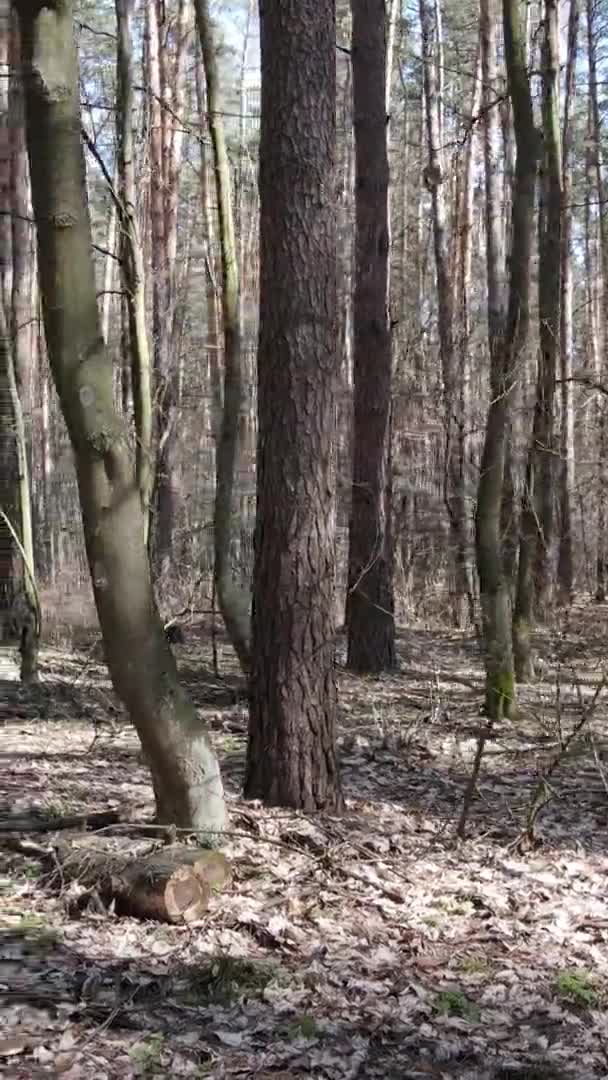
(172, 885)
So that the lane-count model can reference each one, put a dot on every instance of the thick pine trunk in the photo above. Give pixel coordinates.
(291, 757)
(370, 606)
(185, 772)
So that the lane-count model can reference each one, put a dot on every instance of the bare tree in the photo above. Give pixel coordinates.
(508, 338)
(132, 261)
(370, 605)
(565, 566)
(595, 136)
(537, 509)
(233, 601)
(185, 772)
(434, 177)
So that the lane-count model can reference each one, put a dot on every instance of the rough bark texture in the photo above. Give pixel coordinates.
(370, 605)
(291, 755)
(507, 341)
(234, 602)
(537, 505)
(185, 772)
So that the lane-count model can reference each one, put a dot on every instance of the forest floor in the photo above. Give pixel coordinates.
(374, 945)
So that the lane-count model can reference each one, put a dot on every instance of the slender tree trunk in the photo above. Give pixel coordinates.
(507, 342)
(434, 176)
(132, 260)
(537, 507)
(601, 195)
(370, 608)
(234, 601)
(185, 771)
(565, 566)
(291, 757)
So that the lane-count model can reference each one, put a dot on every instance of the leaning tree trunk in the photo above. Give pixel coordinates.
(565, 564)
(185, 771)
(370, 604)
(291, 758)
(537, 509)
(233, 601)
(507, 341)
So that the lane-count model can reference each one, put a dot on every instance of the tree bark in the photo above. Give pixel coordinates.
(185, 772)
(234, 602)
(537, 504)
(507, 341)
(18, 586)
(291, 759)
(370, 607)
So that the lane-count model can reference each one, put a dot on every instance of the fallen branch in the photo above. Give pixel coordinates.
(34, 822)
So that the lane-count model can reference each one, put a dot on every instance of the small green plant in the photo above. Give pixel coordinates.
(455, 1003)
(431, 920)
(32, 870)
(35, 929)
(577, 986)
(227, 978)
(475, 965)
(148, 1054)
(304, 1027)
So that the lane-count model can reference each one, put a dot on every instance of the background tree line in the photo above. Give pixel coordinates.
(386, 402)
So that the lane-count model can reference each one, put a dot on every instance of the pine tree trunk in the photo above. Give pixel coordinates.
(185, 771)
(291, 758)
(370, 606)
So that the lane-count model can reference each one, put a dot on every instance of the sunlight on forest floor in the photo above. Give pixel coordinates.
(371, 945)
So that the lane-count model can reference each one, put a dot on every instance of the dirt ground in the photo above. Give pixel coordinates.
(374, 945)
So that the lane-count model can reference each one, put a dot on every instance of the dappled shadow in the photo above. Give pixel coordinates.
(308, 1009)
(368, 945)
